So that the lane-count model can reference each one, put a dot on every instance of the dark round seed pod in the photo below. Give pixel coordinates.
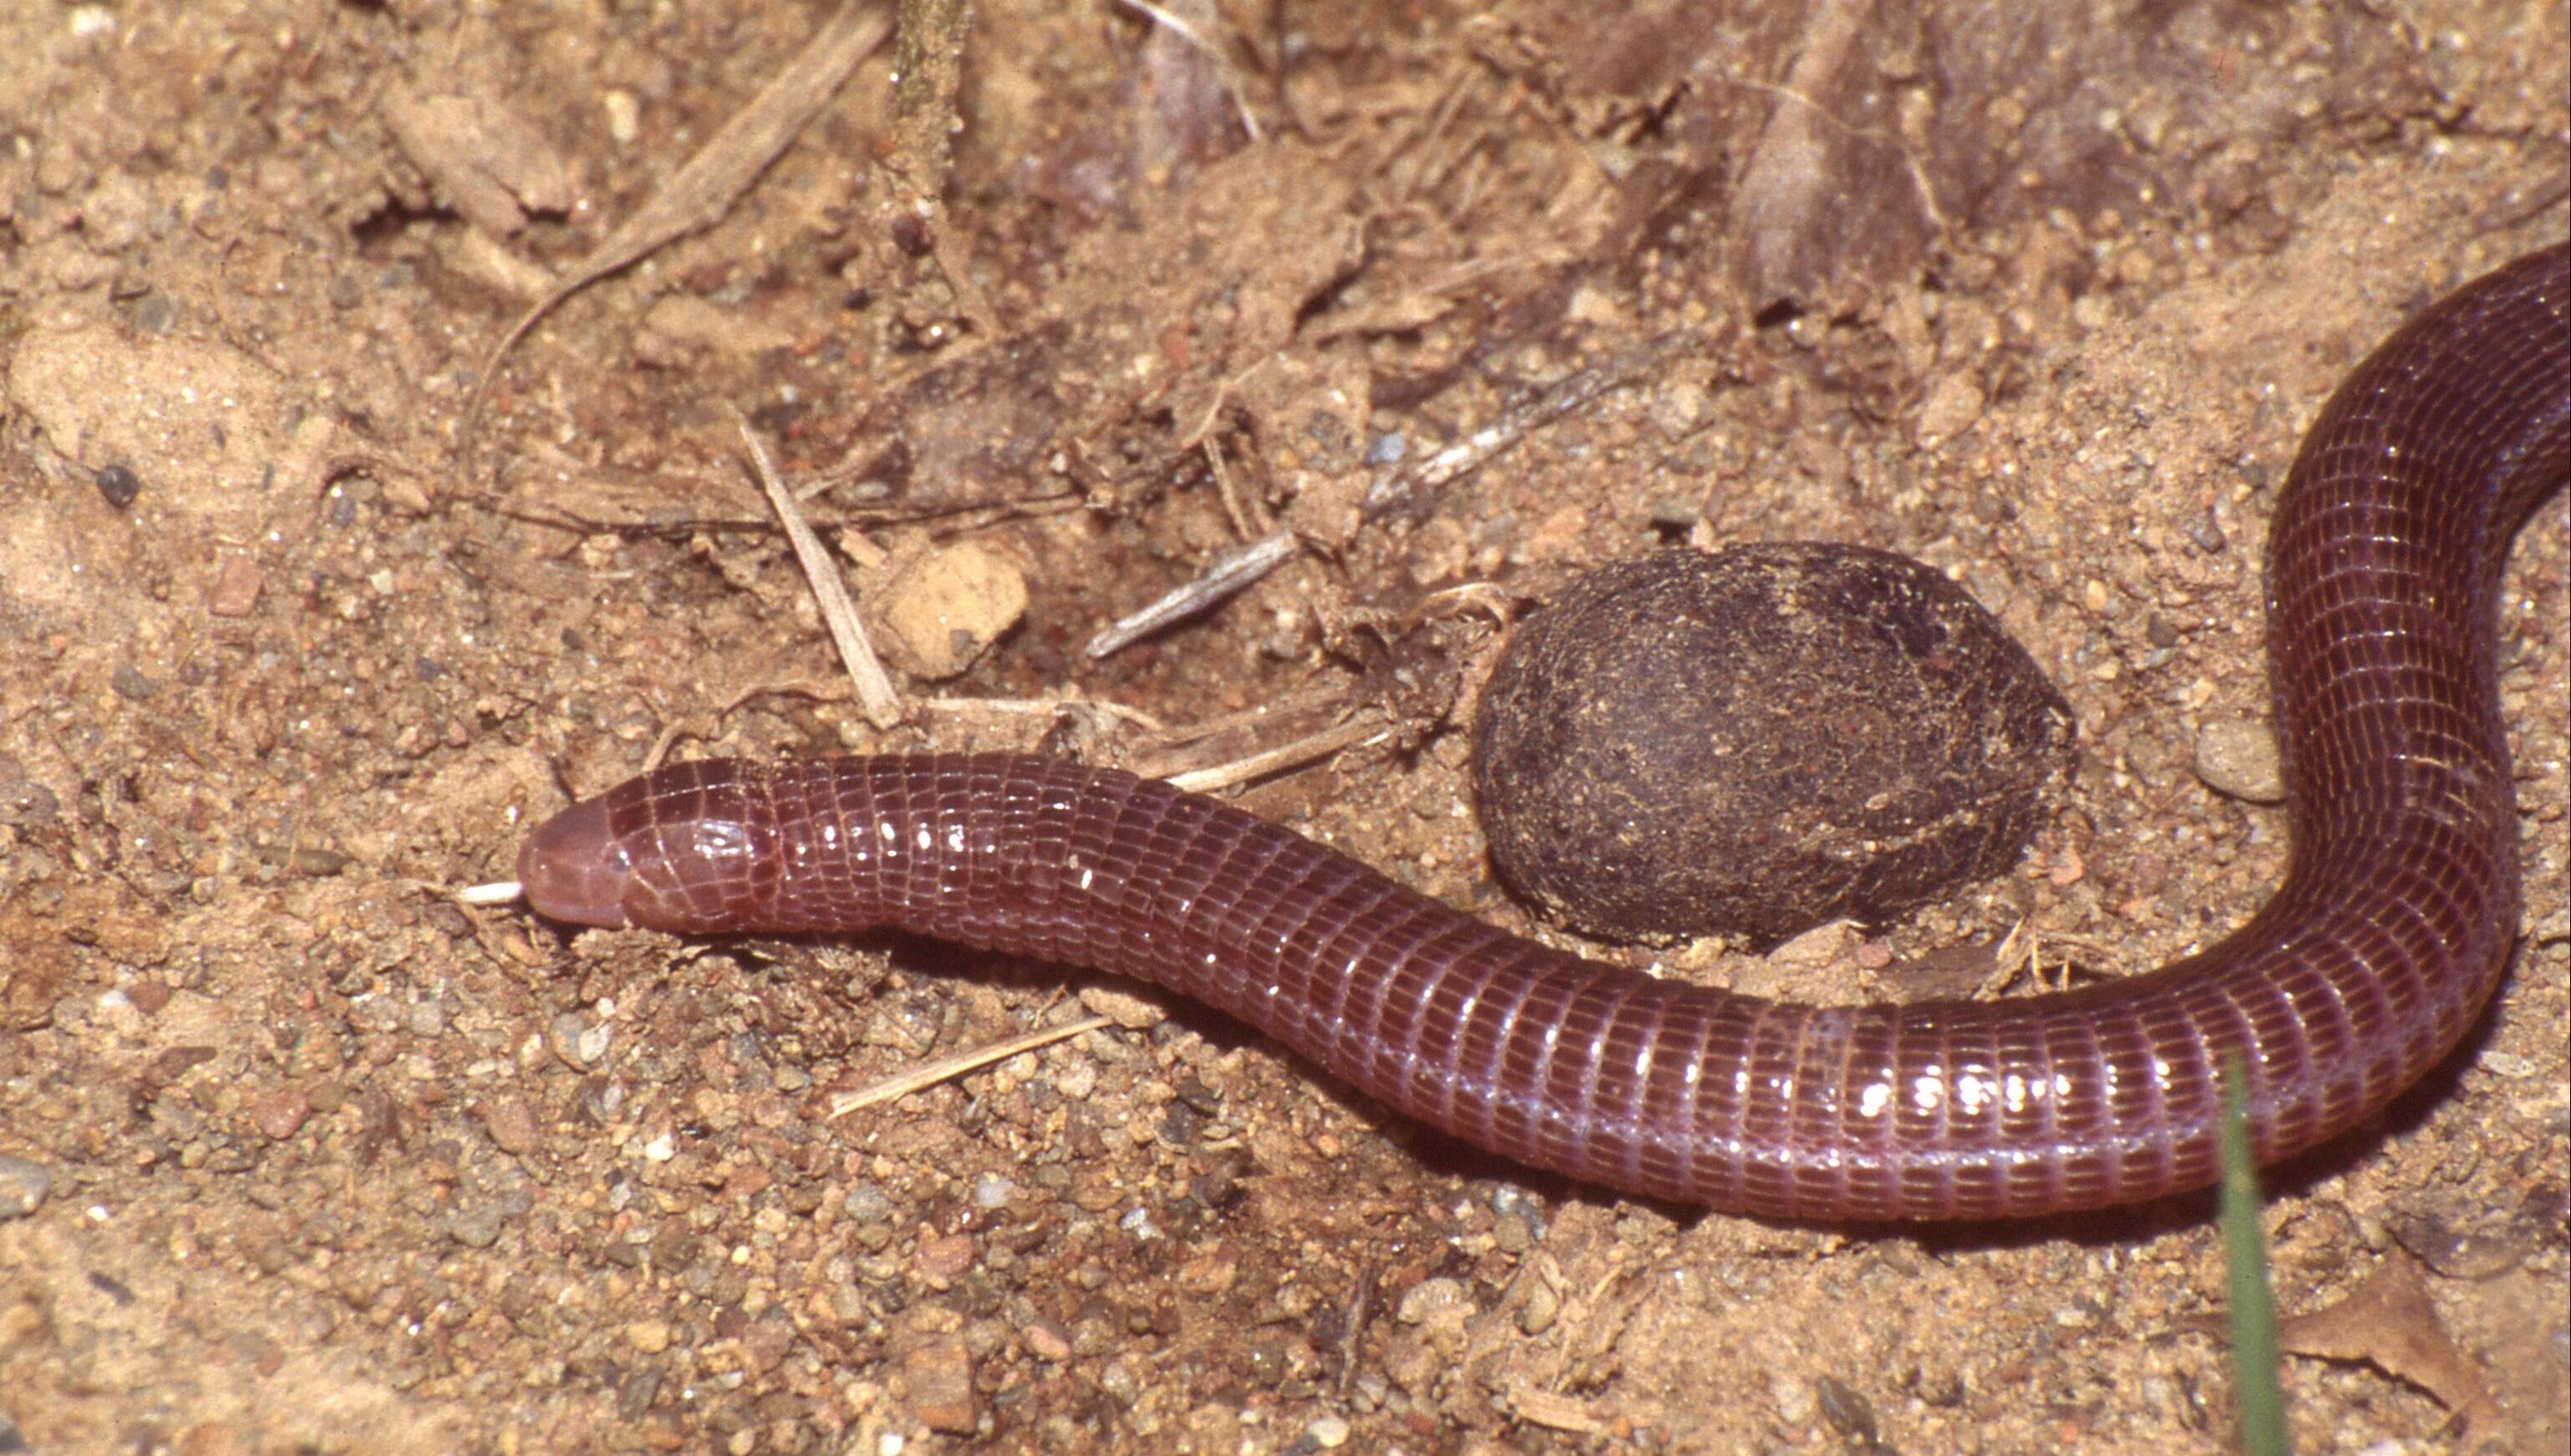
(1761, 739)
(119, 484)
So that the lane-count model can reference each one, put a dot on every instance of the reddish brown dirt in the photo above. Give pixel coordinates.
(297, 1155)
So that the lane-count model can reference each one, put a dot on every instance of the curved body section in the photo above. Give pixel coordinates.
(2390, 932)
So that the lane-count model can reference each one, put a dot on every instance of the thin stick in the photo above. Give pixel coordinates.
(1231, 506)
(1036, 705)
(1353, 734)
(928, 1074)
(1226, 575)
(1302, 702)
(1402, 486)
(876, 694)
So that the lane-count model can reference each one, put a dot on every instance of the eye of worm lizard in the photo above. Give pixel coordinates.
(2392, 930)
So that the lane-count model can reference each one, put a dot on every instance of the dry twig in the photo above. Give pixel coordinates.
(1226, 575)
(876, 694)
(929, 1074)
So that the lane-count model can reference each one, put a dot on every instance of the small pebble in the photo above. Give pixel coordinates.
(579, 1044)
(945, 1255)
(1679, 408)
(939, 1376)
(1793, 1398)
(1047, 1339)
(281, 1114)
(1128, 1009)
(1508, 1200)
(119, 484)
(1676, 513)
(1954, 403)
(236, 589)
(319, 861)
(2238, 757)
(1543, 1307)
(940, 614)
(1848, 1411)
(1328, 1432)
(155, 312)
(510, 1125)
(1076, 1079)
(131, 684)
(2207, 532)
(22, 800)
(1433, 1301)
(651, 1337)
(478, 1225)
(991, 1190)
(24, 1186)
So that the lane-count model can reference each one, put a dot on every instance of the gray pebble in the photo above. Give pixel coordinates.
(1076, 1079)
(579, 1044)
(428, 1019)
(478, 1225)
(131, 684)
(154, 314)
(24, 1186)
(24, 801)
(1793, 1398)
(2238, 757)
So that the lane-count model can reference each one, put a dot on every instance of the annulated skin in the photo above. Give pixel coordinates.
(2392, 930)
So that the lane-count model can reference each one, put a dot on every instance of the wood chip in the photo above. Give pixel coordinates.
(876, 694)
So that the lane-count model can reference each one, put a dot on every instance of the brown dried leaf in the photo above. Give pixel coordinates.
(2389, 1323)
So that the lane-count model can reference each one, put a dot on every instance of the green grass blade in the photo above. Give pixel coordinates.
(2245, 1276)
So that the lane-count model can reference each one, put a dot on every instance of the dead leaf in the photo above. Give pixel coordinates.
(2390, 1323)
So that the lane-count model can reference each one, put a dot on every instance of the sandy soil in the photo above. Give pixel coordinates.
(298, 1154)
